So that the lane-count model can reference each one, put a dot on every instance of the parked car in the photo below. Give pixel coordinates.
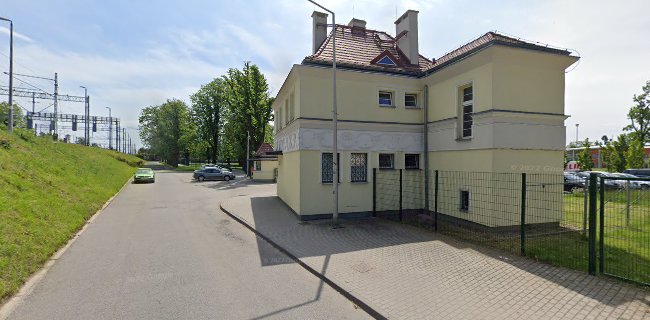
(211, 165)
(144, 175)
(632, 184)
(609, 184)
(213, 173)
(573, 182)
(641, 173)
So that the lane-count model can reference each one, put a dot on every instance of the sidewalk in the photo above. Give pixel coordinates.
(407, 273)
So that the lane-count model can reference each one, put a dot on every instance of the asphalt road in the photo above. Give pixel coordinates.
(166, 251)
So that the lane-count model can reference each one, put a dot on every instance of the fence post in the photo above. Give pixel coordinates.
(374, 192)
(601, 265)
(400, 194)
(522, 227)
(435, 202)
(627, 205)
(593, 191)
(585, 209)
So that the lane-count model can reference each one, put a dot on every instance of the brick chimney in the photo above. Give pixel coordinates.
(408, 43)
(357, 26)
(319, 29)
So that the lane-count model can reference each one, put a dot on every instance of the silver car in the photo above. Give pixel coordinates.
(209, 173)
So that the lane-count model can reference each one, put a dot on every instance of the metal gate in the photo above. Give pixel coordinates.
(624, 228)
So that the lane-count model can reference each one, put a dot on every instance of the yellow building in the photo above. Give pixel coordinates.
(265, 164)
(495, 104)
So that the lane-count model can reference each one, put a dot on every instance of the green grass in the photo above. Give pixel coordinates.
(49, 190)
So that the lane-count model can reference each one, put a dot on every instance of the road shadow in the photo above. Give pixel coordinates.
(275, 220)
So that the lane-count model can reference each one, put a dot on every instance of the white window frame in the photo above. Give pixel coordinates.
(417, 104)
(392, 98)
(461, 114)
(392, 155)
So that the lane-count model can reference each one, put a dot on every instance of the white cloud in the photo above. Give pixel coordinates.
(17, 35)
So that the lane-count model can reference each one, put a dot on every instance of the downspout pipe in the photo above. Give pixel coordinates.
(425, 132)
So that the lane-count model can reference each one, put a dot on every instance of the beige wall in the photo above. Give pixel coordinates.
(357, 95)
(267, 172)
(495, 185)
(316, 197)
(528, 80)
(288, 188)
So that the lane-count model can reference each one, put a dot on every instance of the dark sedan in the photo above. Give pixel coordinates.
(213, 174)
(573, 182)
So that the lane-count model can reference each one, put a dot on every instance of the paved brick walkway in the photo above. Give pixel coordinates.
(407, 273)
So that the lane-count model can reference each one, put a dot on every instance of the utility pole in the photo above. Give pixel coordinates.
(124, 140)
(577, 141)
(33, 110)
(335, 164)
(56, 105)
(85, 114)
(11, 74)
(110, 129)
(117, 135)
(248, 143)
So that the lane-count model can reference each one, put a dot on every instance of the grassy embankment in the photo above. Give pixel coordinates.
(47, 192)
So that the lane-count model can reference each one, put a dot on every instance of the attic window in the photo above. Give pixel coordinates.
(386, 61)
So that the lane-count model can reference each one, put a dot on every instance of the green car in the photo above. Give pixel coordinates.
(144, 175)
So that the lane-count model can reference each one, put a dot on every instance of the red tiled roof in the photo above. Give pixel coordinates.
(360, 48)
(264, 148)
(487, 39)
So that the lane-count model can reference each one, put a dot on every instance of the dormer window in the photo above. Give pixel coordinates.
(387, 61)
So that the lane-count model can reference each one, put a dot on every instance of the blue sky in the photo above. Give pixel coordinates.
(132, 54)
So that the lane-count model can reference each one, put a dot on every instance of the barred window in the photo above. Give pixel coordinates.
(358, 167)
(327, 167)
(412, 161)
(386, 161)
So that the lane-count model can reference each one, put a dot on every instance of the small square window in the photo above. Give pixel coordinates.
(464, 200)
(385, 98)
(412, 161)
(411, 100)
(386, 161)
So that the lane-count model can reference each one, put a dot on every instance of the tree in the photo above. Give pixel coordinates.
(635, 155)
(615, 154)
(639, 116)
(585, 159)
(249, 110)
(164, 129)
(19, 119)
(208, 107)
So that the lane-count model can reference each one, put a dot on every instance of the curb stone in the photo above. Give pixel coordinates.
(356, 301)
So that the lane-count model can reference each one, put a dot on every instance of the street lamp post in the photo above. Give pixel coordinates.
(110, 129)
(11, 73)
(577, 142)
(335, 164)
